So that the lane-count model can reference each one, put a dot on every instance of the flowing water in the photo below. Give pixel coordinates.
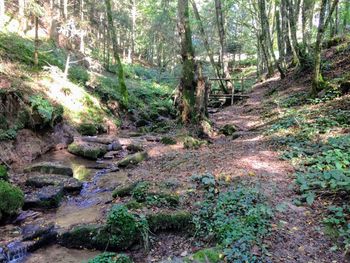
(87, 207)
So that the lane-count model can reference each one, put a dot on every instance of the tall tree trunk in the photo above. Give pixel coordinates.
(285, 28)
(36, 42)
(187, 83)
(280, 40)
(207, 46)
(133, 29)
(201, 95)
(222, 36)
(264, 37)
(82, 30)
(22, 19)
(323, 24)
(65, 9)
(346, 15)
(2, 13)
(267, 36)
(293, 15)
(121, 78)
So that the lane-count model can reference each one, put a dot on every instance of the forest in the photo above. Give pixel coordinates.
(174, 131)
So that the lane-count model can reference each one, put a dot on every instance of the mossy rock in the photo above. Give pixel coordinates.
(175, 221)
(85, 236)
(133, 159)
(228, 130)
(44, 198)
(49, 168)
(108, 257)
(192, 143)
(168, 140)
(125, 190)
(87, 129)
(134, 148)
(209, 255)
(12, 199)
(40, 180)
(91, 151)
(3, 173)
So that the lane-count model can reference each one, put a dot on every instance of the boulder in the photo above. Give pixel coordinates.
(49, 168)
(133, 159)
(115, 146)
(45, 197)
(95, 139)
(134, 148)
(88, 150)
(69, 184)
(34, 231)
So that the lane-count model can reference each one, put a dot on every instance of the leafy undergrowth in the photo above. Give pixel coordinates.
(314, 135)
(88, 100)
(235, 220)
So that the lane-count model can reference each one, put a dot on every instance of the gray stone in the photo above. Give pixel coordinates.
(115, 146)
(50, 168)
(88, 150)
(133, 159)
(40, 180)
(45, 197)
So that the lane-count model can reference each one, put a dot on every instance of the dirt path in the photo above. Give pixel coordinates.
(296, 235)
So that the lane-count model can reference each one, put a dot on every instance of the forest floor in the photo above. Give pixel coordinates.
(296, 234)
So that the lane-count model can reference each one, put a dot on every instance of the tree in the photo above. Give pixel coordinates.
(2, 13)
(323, 23)
(207, 46)
(111, 29)
(187, 82)
(223, 44)
(266, 38)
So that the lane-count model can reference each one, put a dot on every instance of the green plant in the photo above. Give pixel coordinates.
(9, 134)
(168, 140)
(238, 220)
(108, 257)
(192, 143)
(87, 129)
(337, 224)
(3, 173)
(210, 255)
(78, 75)
(11, 197)
(140, 191)
(48, 113)
(125, 228)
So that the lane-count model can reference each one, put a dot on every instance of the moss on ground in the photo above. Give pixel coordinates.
(12, 199)
(176, 221)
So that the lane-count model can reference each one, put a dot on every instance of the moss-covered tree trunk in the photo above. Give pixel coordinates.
(187, 82)
(317, 80)
(111, 29)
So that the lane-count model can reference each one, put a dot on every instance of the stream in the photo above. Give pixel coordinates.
(88, 207)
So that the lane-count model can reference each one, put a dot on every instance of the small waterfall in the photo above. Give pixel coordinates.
(14, 252)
